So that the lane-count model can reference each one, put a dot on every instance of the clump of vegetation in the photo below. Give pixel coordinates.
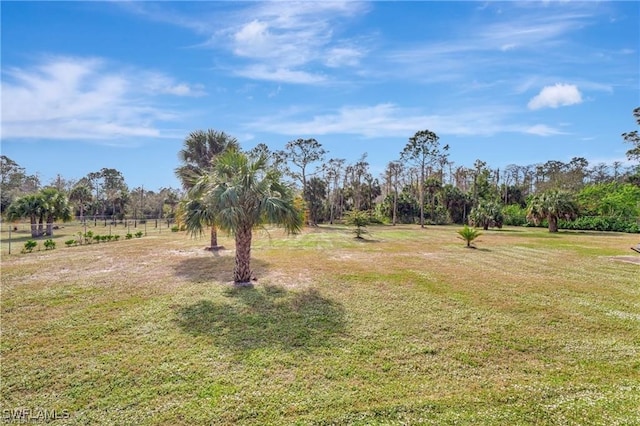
(128, 236)
(359, 220)
(70, 243)
(139, 234)
(29, 245)
(88, 236)
(469, 234)
(175, 228)
(49, 244)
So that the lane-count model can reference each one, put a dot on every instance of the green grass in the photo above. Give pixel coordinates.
(407, 327)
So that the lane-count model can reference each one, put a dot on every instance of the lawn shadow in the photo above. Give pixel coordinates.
(265, 316)
(214, 268)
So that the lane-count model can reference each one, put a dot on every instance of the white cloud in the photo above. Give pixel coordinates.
(556, 96)
(343, 56)
(281, 75)
(80, 98)
(390, 120)
(281, 41)
(542, 130)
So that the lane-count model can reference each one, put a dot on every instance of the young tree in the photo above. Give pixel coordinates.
(552, 205)
(422, 150)
(468, 235)
(244, 192)
(359, 220)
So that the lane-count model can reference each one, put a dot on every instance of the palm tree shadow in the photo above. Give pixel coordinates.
(267, 316)
(214, 268)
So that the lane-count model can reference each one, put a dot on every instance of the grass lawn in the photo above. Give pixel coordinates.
(408, 327)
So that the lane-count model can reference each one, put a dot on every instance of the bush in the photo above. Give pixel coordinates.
(601, 223)
(175, 228)
(97, 238)
(129, 236)
(29, 246)
(139, 234)
(69, 243)
(49, 244)
(514, 215)
(116, 237)
(88, 236)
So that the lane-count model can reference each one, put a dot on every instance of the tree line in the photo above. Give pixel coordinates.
(421, 186)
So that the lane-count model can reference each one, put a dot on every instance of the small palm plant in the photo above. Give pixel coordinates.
(469, 234)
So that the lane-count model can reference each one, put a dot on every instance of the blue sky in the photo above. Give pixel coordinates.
(87, 85)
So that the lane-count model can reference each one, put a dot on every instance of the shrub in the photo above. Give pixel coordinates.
(49, 244)
(601, 223)
(116, 237)
(29, 246)
(97, 238)
(88, 236)
(514, 215)
(69, 243)
(129, 236)
(175, 228)
(139, 234)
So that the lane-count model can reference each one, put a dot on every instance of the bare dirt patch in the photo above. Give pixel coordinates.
(627, 259)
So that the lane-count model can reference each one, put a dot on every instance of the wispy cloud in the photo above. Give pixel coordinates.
(556, 96)
(275, 41)
(542, 130)
(83, 98)
(390, 120)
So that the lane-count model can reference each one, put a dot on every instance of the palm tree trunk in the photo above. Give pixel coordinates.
(214, 237)
(34, 227)
(242, 270)
(49, 231)
(553, 223)
(40, 226)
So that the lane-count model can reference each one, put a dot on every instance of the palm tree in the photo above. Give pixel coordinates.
(56, 207)
(199, 150)
(194, 214)
(242, 193)
(469, 234)
(81, 196)
(486, 214)
(32, 206)
(552, 205)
